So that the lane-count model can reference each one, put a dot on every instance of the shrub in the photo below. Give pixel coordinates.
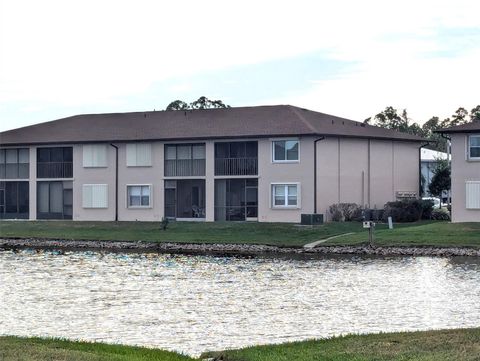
(404, 211)
(427, 208)
(345, 212)
(440, 214)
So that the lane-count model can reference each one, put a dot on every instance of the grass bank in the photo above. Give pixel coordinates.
(425, 233)
(447, 345)
(37, 349)
(460, 344)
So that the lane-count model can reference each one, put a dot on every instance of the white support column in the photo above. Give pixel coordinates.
(209, 181)
(33, 184)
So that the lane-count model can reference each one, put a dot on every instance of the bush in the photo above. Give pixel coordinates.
(427, 208)
(404, 211)
(440, 214)
(345, 212)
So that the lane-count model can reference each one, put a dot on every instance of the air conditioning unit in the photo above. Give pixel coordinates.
(312, 219)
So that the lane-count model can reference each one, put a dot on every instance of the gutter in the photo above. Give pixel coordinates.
(315, 173)
(116, 181)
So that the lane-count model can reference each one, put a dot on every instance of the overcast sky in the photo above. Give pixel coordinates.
(348, 58)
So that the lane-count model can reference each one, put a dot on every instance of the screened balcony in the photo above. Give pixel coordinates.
(236, 158)
(184, 160)
(54, 162)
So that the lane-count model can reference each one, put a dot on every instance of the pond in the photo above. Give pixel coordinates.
(193, 304)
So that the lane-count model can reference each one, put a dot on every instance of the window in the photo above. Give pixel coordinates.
(184, 160)
(473, 194)
(14, 163)
(285, 150)
(285, 195)
(55, 162)
(474, 147)
(95, 196)
(94, 155)
(139, 155)
(138, 196)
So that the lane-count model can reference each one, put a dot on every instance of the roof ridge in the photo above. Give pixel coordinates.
(300, 116)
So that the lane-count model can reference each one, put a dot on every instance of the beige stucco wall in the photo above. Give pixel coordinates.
(363, 171)
(295, 172)
(463, 170)
(97, 175)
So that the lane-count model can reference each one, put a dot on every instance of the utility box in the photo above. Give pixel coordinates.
(312, 219)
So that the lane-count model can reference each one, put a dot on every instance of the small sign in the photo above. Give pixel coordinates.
(406, 194)
(366, 224)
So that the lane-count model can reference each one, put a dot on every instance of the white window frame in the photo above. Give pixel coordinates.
(474, 187)
(89, 160)
(285, 206)
(132, 155)
(285, 160)
(150, 199)
(88, 204)
(469, 147)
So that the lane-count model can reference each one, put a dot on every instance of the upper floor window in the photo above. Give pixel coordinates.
(182, 160)
(55, 162)
(14, 163)
(94, 155)
(474, 146)
(139, 155)
(236, 158)
(285, 150)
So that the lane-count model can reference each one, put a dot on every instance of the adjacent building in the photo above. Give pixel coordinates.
(428, 163)
(265, 163)
(465, 171)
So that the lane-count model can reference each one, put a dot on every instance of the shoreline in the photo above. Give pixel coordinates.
(233, 249)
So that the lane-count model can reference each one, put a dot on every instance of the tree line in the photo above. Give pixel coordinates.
(390, 118)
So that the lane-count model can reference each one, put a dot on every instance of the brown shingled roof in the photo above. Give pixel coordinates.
(471, 127)
(242, 122)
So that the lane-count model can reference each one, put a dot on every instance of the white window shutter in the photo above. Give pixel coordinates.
(87, 156)
(131, 155)
(144, 154)
(95, 196)
(139, 155)
(473, 194)
(94, 155)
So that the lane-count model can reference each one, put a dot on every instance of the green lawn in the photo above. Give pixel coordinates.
(433, 233)
(444, 345)
(37, 349)
(447, 345)
(420, 233)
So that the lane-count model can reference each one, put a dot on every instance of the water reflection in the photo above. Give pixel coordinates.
(198, 303)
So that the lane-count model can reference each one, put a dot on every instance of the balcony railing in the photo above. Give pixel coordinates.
(184, 167)
(54, 170)
(236, 166)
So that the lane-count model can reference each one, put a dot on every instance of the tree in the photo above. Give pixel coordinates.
(460, 117)
(441, 179)
(201, 103)
(475, 114)
(177, 105)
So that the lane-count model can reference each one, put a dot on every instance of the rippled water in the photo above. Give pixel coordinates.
(197, 303)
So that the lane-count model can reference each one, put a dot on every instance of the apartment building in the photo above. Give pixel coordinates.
(465, 171)
(265, 163)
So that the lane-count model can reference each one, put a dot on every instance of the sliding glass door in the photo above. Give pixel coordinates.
(14, 200)
(54, 200)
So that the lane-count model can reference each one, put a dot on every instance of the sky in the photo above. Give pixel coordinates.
(347, 58)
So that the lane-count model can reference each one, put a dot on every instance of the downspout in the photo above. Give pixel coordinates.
(116, 181)
(315, 173)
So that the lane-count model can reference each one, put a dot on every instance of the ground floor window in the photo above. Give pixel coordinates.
(236, 199)
(54, 200)
(14, 200)
(139, 196)
(185, 198)
(285, 195)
